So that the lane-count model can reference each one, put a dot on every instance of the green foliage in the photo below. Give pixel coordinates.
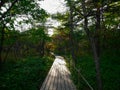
(26, 74)
(11, 36)
(23, 8)
(61, 41)
(110, 66)
(110, 72)
(85, 64)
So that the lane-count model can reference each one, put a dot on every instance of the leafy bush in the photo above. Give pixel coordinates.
(110, 66)
(26, 74)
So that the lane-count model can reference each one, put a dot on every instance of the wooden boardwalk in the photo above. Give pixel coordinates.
(58, 77)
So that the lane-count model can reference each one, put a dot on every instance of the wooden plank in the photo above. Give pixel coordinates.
(55, 79)
(62, 77)
(65, 79)
(59, 83)
(58, 77)
(69, 81)
(50, 79)
(53, 74)
(45, 84)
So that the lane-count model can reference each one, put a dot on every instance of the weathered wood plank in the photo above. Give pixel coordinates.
(53, 76)
(44, 86)
(58, 77)
(55, 79)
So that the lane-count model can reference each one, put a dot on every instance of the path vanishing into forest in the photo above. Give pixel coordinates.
(58, 77)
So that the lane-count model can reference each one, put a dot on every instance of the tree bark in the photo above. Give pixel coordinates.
(97, 64)
(42, 47)
(72, 48)
(1, 43)
(96, 48)
(7, 52)
(94, 41)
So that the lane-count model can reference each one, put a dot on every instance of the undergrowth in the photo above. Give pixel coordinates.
(110, 71)
(26, 74)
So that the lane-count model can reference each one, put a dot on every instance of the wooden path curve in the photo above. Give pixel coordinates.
(58, 77)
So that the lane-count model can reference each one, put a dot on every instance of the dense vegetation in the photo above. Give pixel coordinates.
(88, 37)
(109, 61)
(24, 57)
(26, 74)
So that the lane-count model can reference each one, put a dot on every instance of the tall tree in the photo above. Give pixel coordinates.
(85, 10)
(92, 10)
(71, 27)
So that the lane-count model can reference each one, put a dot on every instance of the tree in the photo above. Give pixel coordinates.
(14, 9)
(91, 14)
(71, 26)
(84, 13)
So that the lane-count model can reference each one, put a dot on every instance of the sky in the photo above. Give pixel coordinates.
(53, 6)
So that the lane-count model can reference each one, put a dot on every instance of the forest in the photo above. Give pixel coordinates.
(88, 37)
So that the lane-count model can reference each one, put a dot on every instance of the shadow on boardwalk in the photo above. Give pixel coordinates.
(58, 77)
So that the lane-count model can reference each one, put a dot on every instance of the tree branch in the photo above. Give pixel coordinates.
(3, 15)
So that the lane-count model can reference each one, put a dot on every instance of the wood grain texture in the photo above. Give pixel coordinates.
(58, 77)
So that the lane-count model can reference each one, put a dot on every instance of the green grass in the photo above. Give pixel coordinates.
(110, 70)
(27, 74)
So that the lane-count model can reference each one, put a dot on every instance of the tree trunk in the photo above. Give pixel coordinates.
(12, 4)
(72, 34)
(97, 64)
(1, 43)
(42, 47)
(96, 48)
(7, 52)
(94, 41)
